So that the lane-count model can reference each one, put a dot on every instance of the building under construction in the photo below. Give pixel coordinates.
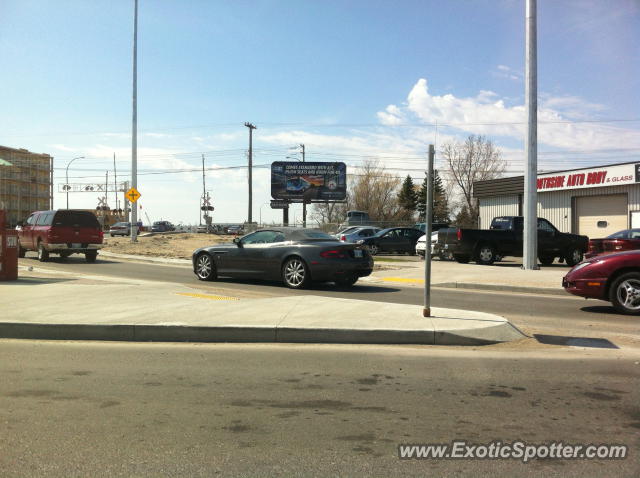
(25, 183)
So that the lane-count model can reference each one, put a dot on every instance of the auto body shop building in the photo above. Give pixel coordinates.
(594, 202)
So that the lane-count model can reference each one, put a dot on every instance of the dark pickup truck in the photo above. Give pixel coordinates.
(504, 238)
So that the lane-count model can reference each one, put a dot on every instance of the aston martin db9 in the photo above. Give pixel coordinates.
(295, 256)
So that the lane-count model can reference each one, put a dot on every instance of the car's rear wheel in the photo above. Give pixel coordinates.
(573, 257)
(373, 249)
(295, 273)
(625, 293)
(205, 267)
(43, 254)
(64, 255)
(486, 255)
(347, 281)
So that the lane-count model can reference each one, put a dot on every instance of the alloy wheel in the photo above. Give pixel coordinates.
(294, 273)
(204, 267)
(628, 294)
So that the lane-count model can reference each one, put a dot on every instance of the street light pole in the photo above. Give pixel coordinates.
(134, 127)
(67, 177)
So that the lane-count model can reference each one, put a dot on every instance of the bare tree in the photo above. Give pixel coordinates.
(375, 191)
(329, 213)
(477, 159)
(371, 189)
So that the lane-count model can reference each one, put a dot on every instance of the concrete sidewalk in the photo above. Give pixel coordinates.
(61, 306)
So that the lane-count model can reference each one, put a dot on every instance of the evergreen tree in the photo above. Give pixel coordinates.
(407, 198)
(440, 204)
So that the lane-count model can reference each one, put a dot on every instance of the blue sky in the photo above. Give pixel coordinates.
(352, 80)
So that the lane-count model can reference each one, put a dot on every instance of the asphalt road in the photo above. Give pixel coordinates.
(111, 409)
(534, 314)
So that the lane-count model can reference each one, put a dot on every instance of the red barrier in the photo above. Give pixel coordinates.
(8, 250)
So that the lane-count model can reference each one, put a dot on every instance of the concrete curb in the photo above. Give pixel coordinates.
(256, 334)
(502, 288)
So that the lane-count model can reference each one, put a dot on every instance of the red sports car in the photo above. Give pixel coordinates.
(611, 277)
(626, 240)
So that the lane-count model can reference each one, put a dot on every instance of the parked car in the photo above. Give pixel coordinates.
(344, 230)
(357, 233)
(611, 277)
(162, 226)
(626, 240)
(505, 239)
(393, 239)
(202, 229)
(120, 229)
(235, 230)
(64, 232)
(295, 256)
(421, 247)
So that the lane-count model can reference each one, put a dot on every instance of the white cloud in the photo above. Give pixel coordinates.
(62, 147)
(488, 114)
(503, 71)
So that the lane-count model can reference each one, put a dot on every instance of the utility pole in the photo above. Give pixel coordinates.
(304, 201)
(134, 125)
(428, 220)
(204, 193)
(530, 227)
(115, 180)
(251, 128)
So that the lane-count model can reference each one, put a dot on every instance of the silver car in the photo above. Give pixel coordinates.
(357, 233)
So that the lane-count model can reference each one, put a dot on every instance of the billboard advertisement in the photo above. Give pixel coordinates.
(308, 182)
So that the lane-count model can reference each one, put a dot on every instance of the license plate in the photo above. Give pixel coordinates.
(357, 253)
(76, 245)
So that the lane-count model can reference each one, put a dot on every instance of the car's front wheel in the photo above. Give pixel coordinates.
(205, 267)
(295, 273)
(625, 293)
(21, 251)
(90, 257)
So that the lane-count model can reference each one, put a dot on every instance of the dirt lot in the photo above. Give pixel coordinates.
(179, 246)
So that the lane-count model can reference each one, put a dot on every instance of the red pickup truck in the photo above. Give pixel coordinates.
(64, 232)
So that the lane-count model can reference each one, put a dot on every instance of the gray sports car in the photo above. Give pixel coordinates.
(295, 256)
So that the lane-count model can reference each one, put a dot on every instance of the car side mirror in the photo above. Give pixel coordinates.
(237, 241)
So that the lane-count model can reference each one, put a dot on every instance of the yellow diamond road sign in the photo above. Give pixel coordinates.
(133, 195)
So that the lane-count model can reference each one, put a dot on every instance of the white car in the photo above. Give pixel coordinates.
(421, 245)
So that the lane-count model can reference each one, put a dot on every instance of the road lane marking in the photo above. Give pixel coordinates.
(402, 279)
(206, 296)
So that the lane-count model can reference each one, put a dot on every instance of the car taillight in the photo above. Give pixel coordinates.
(459, 234)
(333, 254)
(343, 238)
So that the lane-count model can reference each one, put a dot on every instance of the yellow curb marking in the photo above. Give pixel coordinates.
(207, 296)
(401, 279)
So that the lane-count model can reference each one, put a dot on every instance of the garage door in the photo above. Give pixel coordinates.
(599, 216)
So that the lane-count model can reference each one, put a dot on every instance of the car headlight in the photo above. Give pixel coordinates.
(361, 241)
(581, 266)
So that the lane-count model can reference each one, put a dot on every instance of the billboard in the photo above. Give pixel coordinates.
(308, 182)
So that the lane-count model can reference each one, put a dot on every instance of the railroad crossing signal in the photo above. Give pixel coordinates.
(132, 195)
